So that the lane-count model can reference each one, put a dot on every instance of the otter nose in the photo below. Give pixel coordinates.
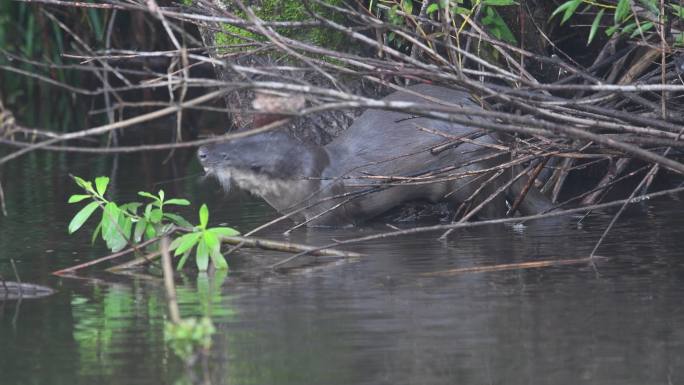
(202, 153)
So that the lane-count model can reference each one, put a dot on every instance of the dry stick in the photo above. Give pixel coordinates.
(663, 52)
(644, 182)
(487, 200)
(78, 4)
(425, 229)
(109, 127)
(651, 172)
(6, 290)
(563, 173)
(174, 313)
(555, 128)
(2, 201)
(135, 262)
(274, 37)
(611, 174)
(288, 247)
(526, 188)
(155, 147)
(404, 181)
(261, 243)
(16, 275)
(509, 266)
(598, 188)
(333, 207)
(72, 269)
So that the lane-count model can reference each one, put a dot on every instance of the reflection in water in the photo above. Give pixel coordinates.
(379, 320)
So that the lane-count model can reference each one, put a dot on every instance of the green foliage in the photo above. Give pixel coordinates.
(624, 20)
(496, 24)
(205, 241)
(491, 19)
(189, 336)
(121, 225)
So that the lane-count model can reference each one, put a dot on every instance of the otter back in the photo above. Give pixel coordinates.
(362, 173)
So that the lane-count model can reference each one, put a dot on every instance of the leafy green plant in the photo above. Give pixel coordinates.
(625, 20)
(491, 19)
(206, 242)
(121, 225)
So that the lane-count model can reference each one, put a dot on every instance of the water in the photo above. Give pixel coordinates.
(378, 320)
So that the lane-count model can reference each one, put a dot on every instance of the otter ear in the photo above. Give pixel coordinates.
(273, 107)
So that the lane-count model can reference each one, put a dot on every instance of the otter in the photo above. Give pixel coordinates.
(341, 183)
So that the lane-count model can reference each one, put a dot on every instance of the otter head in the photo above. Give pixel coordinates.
(272, 165)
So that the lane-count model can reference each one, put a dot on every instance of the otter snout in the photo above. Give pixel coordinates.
(210, 156)
(202, 154)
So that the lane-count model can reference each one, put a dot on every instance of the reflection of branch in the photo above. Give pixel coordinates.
(510, 266)
(174, 313)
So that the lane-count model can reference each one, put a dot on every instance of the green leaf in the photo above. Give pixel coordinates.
(131, 207)
(101, 183)
(126, 225)
(568, 8)
(79, 219)
(156, 216)
(116, 227)
(432, 8)
(223, 231)
(150, 232)
(161, 195)
(184, 243)
(407, 6)
(629, 27)
(498, 26)
(148, 195)
(96, 233)
(80, 181)
(595, 25)
(394, 17)
(218, 259)
(202, 256)
(652, 6)
(179, 202)
(461, 11)
(214, 246)
(139, 230)
(110, 216)
(644, 27)
(77, 198)
(178, 220)
(183, 259)
(211, 240)
(84, 184)
(621, 11)
(498, 3)
(611, 30)
(679, 39)
(204, 216)
(679, 10)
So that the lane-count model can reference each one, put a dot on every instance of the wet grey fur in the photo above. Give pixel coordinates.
(289, 174)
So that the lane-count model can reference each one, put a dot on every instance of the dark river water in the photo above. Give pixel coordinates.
(376, 320)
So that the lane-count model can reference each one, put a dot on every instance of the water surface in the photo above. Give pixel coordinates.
(378, 320)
